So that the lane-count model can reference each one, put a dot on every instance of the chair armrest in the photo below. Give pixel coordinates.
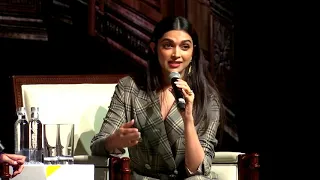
(226, 157)
(4, 171)
(119, 167)
(98, 161)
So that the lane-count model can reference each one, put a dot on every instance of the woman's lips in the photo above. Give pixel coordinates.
(174, 64)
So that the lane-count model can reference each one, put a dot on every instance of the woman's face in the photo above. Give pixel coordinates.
(175, 50)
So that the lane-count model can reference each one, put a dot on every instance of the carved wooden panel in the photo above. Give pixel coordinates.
(32, 19)
(148, 9)
(222, 57)
(222, 66)
(22, 19)
(61, 10)
(127, 24)
(213, 21)
(30, 8)
(132, 15)
(221, 47)
(122, 36)
(199, 14)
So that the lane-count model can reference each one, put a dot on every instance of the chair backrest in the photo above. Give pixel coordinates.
(82, 100)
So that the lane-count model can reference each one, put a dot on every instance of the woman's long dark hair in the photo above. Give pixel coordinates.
(199, 79)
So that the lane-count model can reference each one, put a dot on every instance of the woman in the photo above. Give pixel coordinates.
(164, 142)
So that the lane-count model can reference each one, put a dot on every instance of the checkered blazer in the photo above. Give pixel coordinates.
(162, 148)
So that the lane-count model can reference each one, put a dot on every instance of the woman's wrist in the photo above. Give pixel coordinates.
(109, 145)
(188, 119)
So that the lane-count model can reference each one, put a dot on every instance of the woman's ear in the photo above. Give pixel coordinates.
(152, 46)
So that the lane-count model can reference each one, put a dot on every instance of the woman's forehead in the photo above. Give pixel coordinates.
(176, 36)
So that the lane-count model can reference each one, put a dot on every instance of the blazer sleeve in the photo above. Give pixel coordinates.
(207, 136)
(115, 117)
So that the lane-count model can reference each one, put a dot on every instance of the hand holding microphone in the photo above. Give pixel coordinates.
(182, 92)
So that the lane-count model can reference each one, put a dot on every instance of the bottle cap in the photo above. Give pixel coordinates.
(21, 110)
(34, 109)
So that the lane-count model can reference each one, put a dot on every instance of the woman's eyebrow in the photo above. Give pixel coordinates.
(167, 39)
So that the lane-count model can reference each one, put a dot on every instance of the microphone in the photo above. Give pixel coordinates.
(181, 102)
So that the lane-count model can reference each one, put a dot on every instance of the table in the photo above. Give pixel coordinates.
(56, 172)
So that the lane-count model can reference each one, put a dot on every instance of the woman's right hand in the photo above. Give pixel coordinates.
(125, 136)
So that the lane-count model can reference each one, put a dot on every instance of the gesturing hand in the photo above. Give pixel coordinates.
(16, 161)
(125, 136)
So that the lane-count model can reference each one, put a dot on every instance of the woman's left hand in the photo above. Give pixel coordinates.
(188, 95)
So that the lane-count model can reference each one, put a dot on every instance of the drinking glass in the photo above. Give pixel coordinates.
(58, 143)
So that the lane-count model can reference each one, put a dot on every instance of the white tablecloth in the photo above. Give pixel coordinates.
(57, 172)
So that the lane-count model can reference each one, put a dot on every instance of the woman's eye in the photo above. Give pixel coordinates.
(166, 46)
(185, 47)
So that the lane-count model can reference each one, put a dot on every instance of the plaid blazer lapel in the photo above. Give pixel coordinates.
(149, 116)
(175, 131)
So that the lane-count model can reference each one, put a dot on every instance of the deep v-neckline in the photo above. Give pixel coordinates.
(169, 108)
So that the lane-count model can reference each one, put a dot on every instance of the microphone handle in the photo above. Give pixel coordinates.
(178, 95)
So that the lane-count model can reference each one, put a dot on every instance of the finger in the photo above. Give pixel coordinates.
(21, 161)
(184, 93)
(18, 171)
(187, 93)
(7, 159)
(15, 156)
(182, 86)
(128, 124)
(132, 136)
(133, 143)
(125, 131)
(182, 82)
(20, 168)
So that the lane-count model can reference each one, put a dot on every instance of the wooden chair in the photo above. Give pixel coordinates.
(119, 168)
(97, 90)
(249, 166)
(4, 171)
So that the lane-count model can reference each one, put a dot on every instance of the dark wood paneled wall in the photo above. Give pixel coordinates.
(214, 20)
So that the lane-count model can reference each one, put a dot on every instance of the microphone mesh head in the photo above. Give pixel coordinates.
(174, 75)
